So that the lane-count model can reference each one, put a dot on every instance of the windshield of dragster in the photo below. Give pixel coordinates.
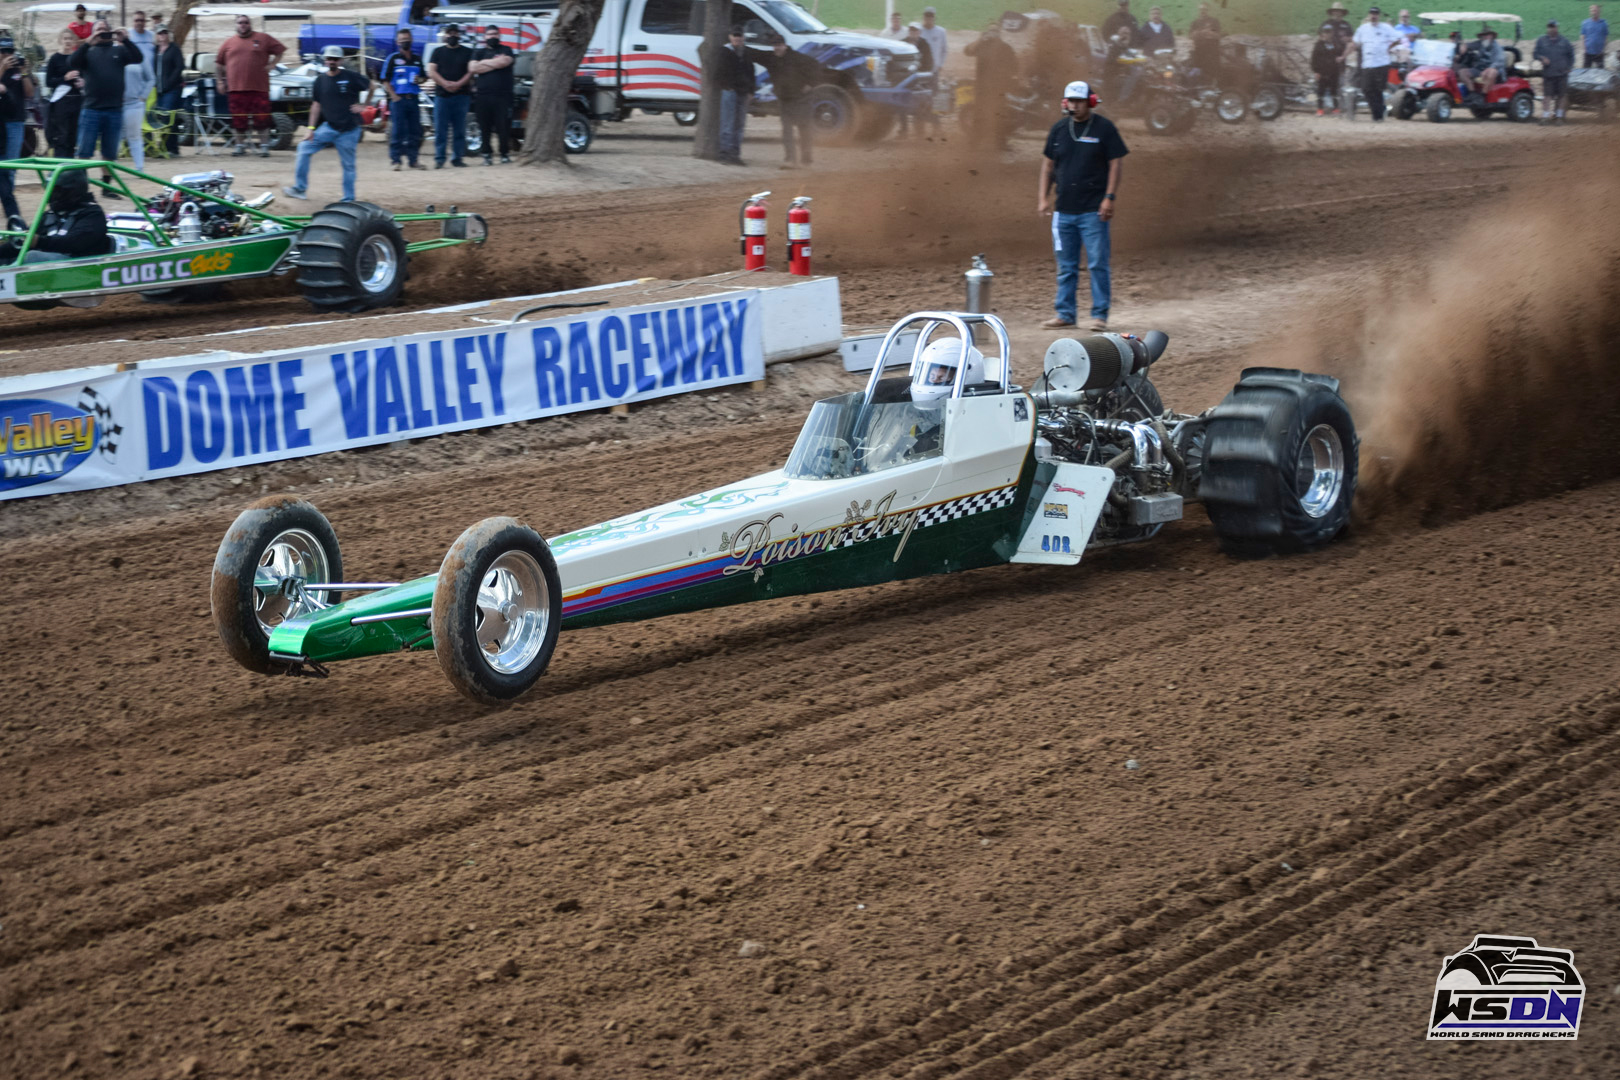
(844, 437)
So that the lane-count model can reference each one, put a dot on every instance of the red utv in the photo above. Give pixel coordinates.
(1432, 86)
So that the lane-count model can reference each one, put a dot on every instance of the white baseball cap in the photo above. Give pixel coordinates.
(1077, 89)
(332, 50)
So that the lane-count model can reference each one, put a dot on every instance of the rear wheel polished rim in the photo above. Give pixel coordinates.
(294, 553)
(1319, 471)
(514, 612)
(575, 134)
(378, 264)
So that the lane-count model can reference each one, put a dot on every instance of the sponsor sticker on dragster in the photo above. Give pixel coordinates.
(1507, 987)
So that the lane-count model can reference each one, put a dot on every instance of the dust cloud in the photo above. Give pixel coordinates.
(1487, 372)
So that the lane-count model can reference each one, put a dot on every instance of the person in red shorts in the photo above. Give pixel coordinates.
(243, 66)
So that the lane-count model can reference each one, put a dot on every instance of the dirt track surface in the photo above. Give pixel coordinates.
(915, 800)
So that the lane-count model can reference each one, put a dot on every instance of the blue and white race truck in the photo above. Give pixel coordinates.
(644, 55)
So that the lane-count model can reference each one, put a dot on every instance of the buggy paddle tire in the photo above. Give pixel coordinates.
(1279, 463)
(351, 257)
(1438, 108)
(497, 610)
(271, 550)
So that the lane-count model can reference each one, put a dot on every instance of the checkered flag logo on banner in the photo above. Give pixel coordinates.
(961, 508)
(94, 404)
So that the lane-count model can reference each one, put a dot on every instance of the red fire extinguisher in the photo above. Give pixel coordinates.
(799, 236)
(752, 218)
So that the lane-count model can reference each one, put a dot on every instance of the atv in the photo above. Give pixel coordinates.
(195, 233)
(1433, 87)
(882, 484)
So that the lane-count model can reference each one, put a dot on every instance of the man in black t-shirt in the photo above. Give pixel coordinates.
(1080, 175)
(448, 70)
(334, 120)
(493, 90)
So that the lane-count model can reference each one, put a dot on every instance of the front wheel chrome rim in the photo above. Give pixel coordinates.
(294, 553)
(379, 262)
(575, 134)
(514, 612)
(1319, 471)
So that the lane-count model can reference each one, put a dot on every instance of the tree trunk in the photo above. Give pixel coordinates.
(554, 72)
(181, 22)
(706, 136)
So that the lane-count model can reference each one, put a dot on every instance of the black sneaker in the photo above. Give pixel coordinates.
(458, 164)
(438, 164)
(506, 159)
(489, 159)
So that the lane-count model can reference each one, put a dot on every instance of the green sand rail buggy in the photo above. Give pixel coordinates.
(193, 233)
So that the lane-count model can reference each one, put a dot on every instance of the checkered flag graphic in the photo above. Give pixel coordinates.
(961, 508)
(94, 404)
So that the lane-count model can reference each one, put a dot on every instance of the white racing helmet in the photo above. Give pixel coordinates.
(936, 374)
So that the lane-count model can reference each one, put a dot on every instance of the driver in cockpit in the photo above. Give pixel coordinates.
(933, 384)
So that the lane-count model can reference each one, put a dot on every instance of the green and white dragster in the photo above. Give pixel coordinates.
(185, 236)
(950, 468)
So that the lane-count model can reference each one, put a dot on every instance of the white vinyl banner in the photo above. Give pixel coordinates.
(74, 430)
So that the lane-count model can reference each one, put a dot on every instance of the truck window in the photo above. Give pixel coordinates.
(668, 17)
(741, 15)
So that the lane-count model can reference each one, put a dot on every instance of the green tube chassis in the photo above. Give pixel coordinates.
(881, 488)
(152, 258)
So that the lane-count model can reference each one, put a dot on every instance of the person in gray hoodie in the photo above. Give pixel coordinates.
(138, 85)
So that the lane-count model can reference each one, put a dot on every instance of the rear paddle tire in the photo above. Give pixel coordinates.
(497, 610)
(351, 257)
(273, 548)
(1280, 464)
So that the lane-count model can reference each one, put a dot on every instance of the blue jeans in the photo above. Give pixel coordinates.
(450, 126)
(169, 115)
(1069, 233)
(733, 117)
(100, 125)
(324, 136)
(405, 129)
(13, 147)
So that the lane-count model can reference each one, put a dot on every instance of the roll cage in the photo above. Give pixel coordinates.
(961, 322)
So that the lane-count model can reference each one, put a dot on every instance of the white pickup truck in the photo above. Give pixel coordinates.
(644, 55)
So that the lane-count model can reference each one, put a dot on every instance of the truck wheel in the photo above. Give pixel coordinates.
(685, 118)
(833, 115)
(577, 131)
(1522, 108)
(497, 609)
(274, 539)
(1230, 108)
(285, 128)
(351, 257)
(1438, 108)
(1280, 462)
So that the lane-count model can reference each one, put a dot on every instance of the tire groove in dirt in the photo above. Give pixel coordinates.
(1002, 1029)
(898, 697)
